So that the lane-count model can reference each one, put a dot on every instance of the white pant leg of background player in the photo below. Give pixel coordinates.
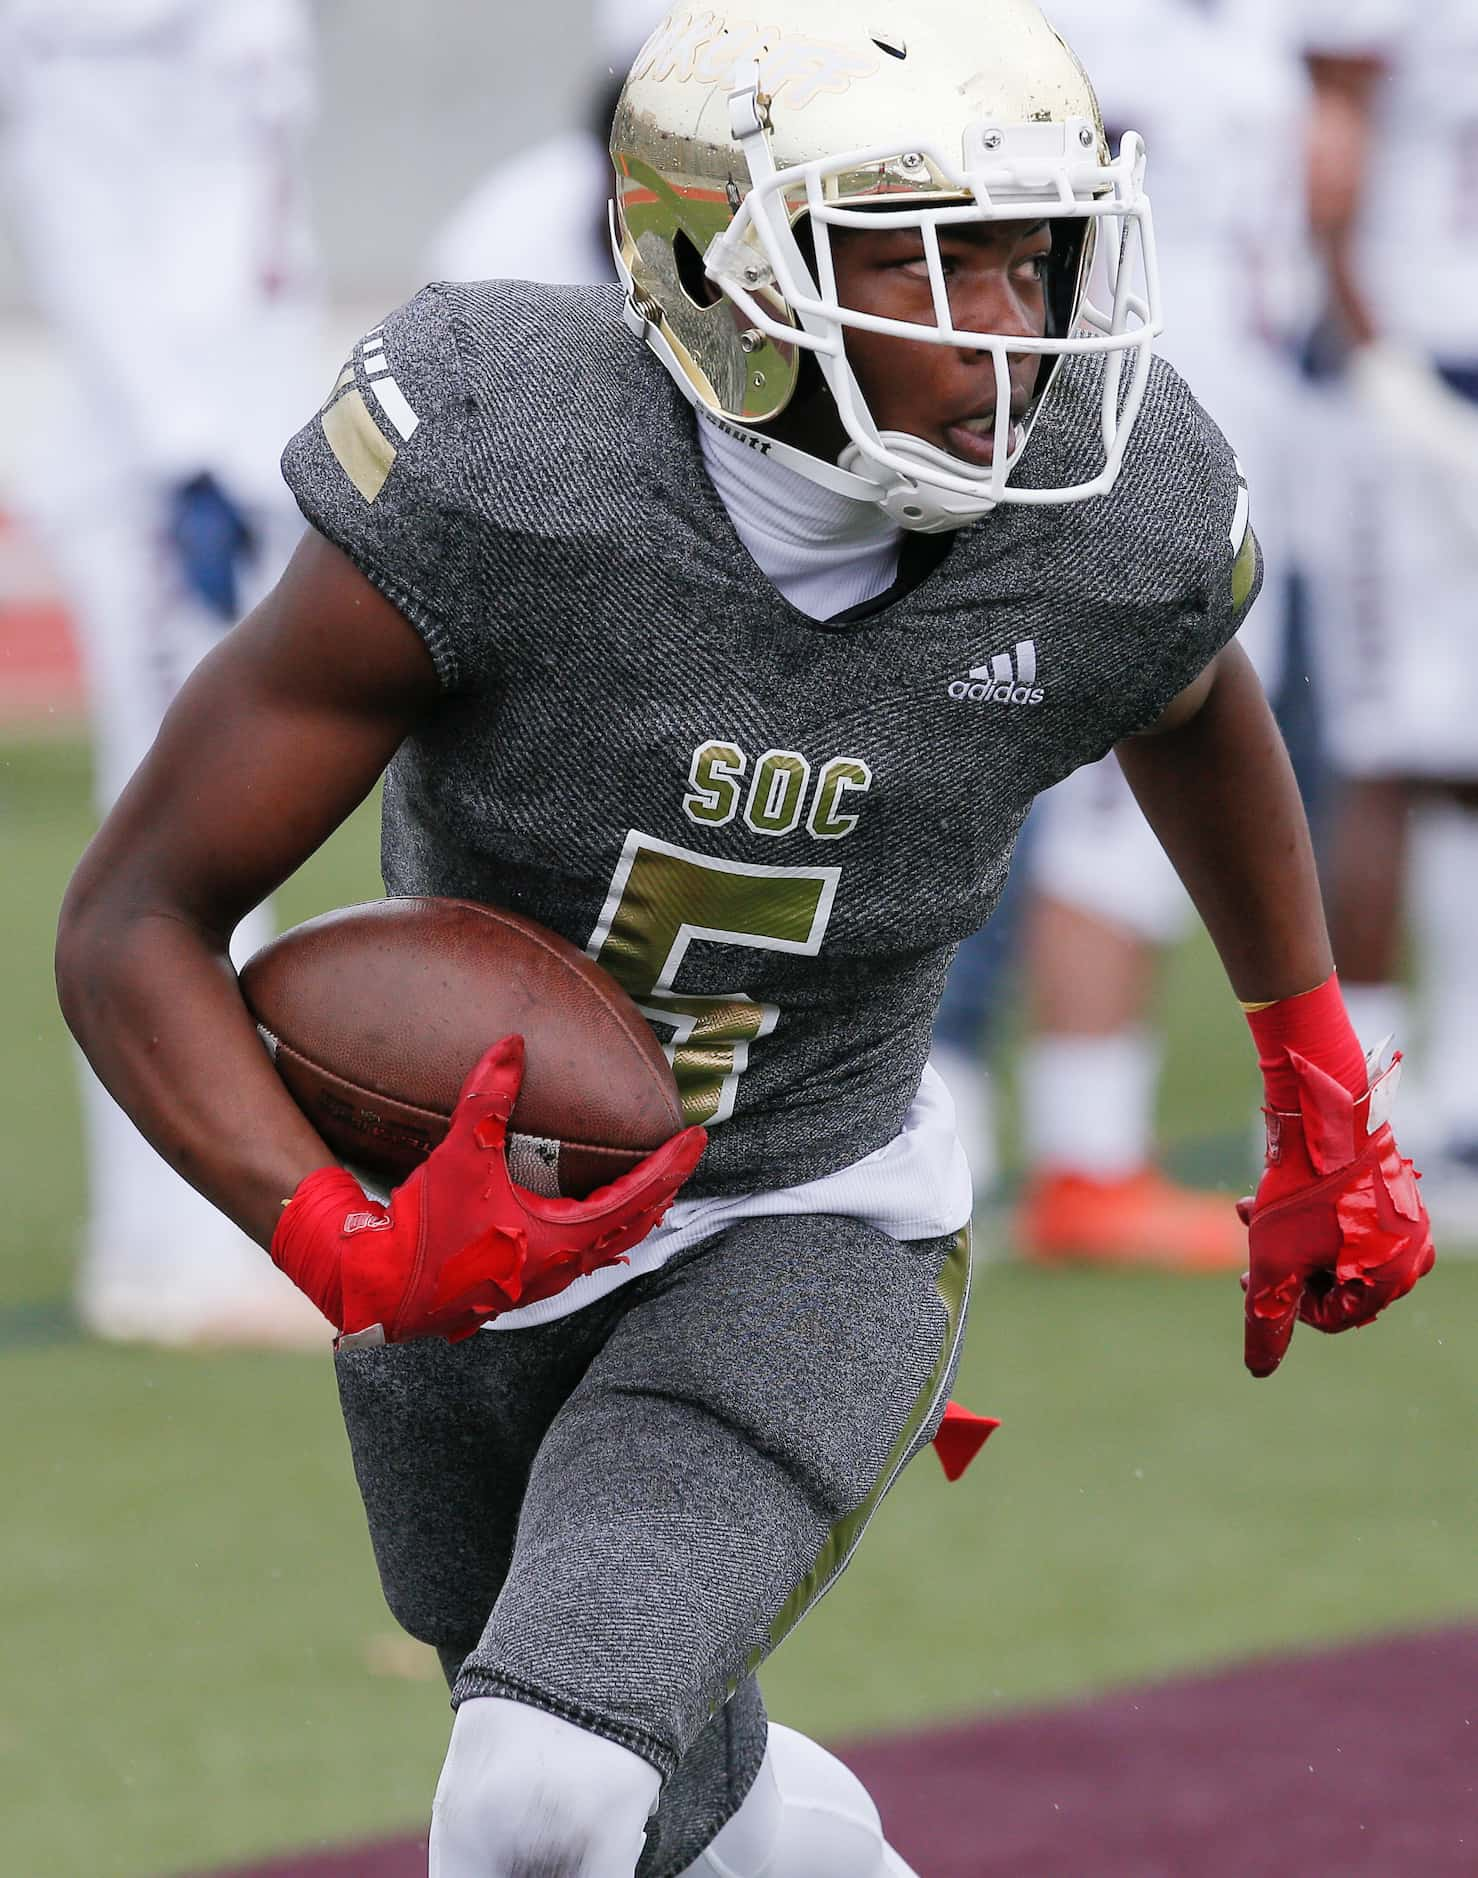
(1087, 1102)
(1391, 576)
(152, 158)
(157, 1258)
(1393, 571)
(1445, 892)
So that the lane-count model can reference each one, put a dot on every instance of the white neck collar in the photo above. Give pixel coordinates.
(825, 551)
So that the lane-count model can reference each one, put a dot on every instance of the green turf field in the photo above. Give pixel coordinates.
(198, 1665)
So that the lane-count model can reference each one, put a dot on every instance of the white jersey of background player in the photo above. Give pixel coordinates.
(1197, 77)
(1219, 97)
(1408, 684)
(153, 161)
(540, 215)
(1393, 540)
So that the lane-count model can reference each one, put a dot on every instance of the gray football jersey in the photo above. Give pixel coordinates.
(773, 832)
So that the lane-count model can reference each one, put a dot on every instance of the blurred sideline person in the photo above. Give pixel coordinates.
(543, 214)
(1221, 99)
(1394, 537)
(153, 156)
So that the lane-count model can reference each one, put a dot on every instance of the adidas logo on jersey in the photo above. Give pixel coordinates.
(1002, 681)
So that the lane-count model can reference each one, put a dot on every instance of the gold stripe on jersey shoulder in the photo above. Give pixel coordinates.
(364, 452)
(1244, 572)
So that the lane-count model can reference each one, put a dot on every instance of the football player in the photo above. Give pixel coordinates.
(727, 622)
(1392, 497)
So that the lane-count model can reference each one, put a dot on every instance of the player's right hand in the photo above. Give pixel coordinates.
(459, 1242)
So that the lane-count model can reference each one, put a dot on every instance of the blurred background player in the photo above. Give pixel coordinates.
(1100, 903)
(543, 215)
(1393, 538)
(154, 160)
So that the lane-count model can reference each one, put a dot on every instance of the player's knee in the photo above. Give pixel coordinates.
(524, 1794)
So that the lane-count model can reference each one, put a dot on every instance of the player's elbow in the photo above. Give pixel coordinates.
(80, 957)
(125, 943)
(92, 939)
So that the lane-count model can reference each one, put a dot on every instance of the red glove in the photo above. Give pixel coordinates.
(1337, 1229)
(458, 1242)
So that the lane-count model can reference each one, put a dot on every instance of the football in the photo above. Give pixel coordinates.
(374, 1015)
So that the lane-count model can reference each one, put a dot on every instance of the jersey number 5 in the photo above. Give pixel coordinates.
(662, 898)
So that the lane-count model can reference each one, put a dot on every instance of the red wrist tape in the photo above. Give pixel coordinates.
(308, 1253)
(1316, 1026)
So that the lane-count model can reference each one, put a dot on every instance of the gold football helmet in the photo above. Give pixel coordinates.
(742, 140)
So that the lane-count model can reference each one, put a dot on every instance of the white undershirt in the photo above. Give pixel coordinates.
(825, 552)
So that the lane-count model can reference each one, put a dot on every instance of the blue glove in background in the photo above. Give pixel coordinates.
(211, 539)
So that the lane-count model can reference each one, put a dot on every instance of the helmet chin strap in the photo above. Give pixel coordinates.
(921, 506)
(917, 496)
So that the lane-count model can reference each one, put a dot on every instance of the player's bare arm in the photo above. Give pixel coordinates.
(279, 734)
(1338, 1230)
(1215, 783)
(276, 738)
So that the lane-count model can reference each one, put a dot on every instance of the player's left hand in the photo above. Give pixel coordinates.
(1337, 1228)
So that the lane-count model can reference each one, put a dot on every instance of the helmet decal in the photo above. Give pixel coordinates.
(705, 47)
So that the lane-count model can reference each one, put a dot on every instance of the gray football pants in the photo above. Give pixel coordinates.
(615, 1517)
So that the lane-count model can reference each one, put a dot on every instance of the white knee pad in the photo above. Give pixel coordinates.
(806, 1816)
(522, 1790)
